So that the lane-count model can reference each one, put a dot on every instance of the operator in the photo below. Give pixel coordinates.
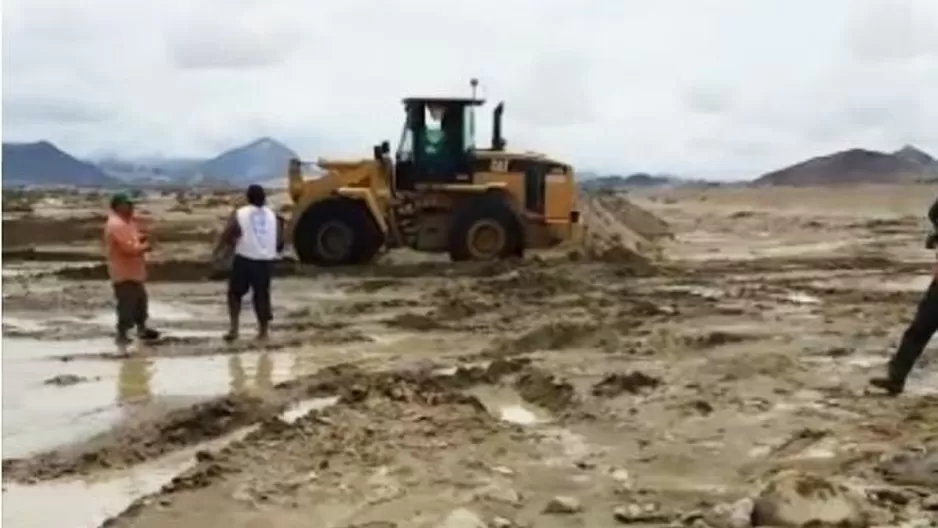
(256, 233)
(126, 248)
(920, 331)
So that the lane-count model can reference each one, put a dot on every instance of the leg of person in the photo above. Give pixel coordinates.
(123, 294)
(913, 342)
(238, 283)
(260, 295)
(142, 314)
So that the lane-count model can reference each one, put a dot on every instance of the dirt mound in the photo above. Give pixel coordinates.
(850, 167)
(636, 218)
(616, 230)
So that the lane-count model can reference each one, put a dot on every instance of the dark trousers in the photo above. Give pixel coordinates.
(917, 335)
(132, 305)
(248, 274)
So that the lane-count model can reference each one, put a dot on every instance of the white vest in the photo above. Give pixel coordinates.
(258, 240)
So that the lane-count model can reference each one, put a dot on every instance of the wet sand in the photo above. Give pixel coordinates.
(418, 391)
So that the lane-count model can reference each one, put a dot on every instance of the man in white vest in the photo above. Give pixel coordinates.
(256, 233)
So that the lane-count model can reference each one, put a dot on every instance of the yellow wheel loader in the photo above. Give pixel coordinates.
(439, 193)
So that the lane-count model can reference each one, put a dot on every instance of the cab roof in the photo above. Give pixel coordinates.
(444, 100)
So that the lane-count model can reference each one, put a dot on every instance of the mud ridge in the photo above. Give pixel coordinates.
(134, 443)
(143, 441)
(49, 255)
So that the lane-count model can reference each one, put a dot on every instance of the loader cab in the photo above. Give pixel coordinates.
(437, 142)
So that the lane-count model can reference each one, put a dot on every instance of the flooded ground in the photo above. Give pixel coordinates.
(557, 391)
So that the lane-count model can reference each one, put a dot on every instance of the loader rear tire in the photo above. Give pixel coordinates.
(337, 232)
(486, 228)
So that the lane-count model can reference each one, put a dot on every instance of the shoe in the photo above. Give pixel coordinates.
(148, 334)
(230, 336)
(122, 339)
(892, 387)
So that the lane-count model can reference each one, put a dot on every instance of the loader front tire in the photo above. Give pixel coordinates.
(337, 232)
(485, 228)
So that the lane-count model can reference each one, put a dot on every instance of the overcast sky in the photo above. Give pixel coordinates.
(715, 88)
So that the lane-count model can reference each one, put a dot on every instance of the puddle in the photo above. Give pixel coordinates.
(87, 503)
(507, 405)
(158, 312)
(302, 408)
(37, 416)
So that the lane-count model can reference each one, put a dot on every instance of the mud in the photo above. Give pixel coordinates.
(711, 343)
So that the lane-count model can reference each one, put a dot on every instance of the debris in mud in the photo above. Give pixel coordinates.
(452, 307)
(793, 498)
(541, 388)
(550, 336)
(529, 284)
(732, 515)
(628, 263)
(563, 505)
(373, 285)
(414, 321)
(66, 380)
(715, 339)
(640, 514)
(915, 468)
(633, 383)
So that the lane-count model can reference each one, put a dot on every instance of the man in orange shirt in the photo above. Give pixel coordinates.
(126, 247)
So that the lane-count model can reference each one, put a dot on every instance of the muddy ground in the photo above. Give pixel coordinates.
(566, 389)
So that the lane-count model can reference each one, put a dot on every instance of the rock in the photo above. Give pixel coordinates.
(735, 515)
(462, 518)
(502, 470)
(499, 492)
(639, 513)
(930, 503)
(796, 499)
(563, 505)
(623, 481)
(501, 522)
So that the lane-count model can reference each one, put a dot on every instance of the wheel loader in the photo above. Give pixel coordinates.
(438, 193)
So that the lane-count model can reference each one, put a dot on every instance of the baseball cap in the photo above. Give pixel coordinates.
(121, 198)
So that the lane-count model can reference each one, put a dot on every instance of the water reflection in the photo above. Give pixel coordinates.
(133, 380)
(263, 373)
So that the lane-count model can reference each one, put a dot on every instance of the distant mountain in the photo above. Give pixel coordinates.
(259, 161)
(636, 180)
(150, 171)
(855, 166)
(44, 164)
(917, 155)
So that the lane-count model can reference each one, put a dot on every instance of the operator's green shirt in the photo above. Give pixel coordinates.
(434, 144)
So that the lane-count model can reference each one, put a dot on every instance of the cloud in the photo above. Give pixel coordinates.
(251, 35)
(718, 87)
(884, 31)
